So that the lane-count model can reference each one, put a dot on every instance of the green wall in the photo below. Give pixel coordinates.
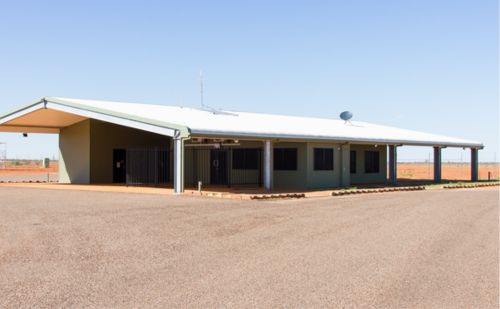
(74, 153)
(292, 179)
(202, 171)
(104, 137)
(86, 156)
(323, 179)
(86, 149)
(360, 177)
(246, 176)
(196, 167)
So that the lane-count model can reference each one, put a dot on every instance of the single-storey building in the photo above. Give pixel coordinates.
(144, 144)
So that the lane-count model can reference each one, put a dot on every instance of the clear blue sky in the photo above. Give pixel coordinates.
(427, 65)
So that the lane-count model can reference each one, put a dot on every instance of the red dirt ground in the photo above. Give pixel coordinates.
(32, 168)
(450, 171)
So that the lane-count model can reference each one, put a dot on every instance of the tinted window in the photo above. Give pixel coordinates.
(285, 159)
(353, 162)
(323, 159)
(245, 159)
(372, 163)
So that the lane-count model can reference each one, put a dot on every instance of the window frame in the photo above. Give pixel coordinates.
(244, 163)
(281, 153)
(375, 169)
(353, 164)
(324, 164)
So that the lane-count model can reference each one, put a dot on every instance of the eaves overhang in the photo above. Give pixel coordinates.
(340, 139)
(103, 114)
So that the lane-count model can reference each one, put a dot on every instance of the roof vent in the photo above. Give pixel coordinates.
(214, 111)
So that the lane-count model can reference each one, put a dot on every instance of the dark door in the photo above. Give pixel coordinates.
(218, 167)
(119, 162)
(163, 168)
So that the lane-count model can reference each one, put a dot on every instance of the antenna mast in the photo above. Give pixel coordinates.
(201, 89)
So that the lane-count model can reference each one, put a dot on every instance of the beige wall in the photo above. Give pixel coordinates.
(360, 177)
(74, 153)
(104, 137)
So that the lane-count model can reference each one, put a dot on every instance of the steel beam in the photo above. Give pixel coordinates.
(437, 164)
(268, 165)
(178, 165)
(393, 164)
(474, 164)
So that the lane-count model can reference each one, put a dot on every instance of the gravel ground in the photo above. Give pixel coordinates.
(434, 249)
(18, 177)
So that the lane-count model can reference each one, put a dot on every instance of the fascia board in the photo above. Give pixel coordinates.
(21, 111)
(333, 139)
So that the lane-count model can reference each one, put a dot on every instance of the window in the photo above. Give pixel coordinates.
(372, 162)
(323, 159)
(245, 159)
(285, 159)
(352, 162)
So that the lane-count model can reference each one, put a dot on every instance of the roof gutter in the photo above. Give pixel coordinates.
(333, 139)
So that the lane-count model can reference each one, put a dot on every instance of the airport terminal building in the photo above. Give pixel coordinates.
(102, 142)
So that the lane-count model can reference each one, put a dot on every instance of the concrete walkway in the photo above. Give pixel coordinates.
(237, 193)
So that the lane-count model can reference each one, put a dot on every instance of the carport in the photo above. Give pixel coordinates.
(52, 115)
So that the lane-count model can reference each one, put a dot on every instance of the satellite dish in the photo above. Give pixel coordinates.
(347, 115)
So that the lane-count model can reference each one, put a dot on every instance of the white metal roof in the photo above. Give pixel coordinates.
(204, 122)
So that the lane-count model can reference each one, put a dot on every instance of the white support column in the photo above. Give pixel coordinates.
(268, 165)
(437, 164)
(393, 164)
(474, 164)
(345, 175)
(178, 165)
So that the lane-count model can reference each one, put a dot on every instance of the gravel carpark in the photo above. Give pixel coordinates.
(74, 249)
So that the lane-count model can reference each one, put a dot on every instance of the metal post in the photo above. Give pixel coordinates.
(345, 175)
(393, 164)
(437, 164)
(229, 164)
(474, 168)
(268, 166)
(178, 165)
